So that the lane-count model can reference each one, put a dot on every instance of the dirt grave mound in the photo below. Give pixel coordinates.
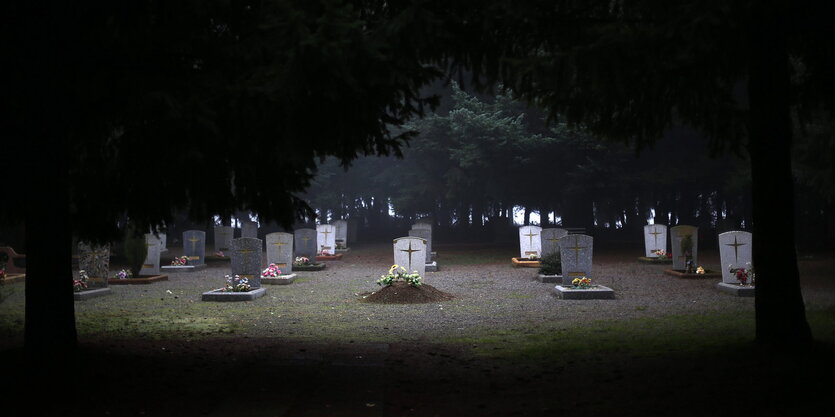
(403, 293)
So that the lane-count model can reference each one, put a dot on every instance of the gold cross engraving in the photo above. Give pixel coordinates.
(326, 232)
(736, 246)
(194, 241)
(576, 248)
(280, 243)
(530, 236)
(306, 239)
(147, 266)
(655, 234)
(410, 251)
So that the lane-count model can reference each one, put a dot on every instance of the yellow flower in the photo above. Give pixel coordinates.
(576, 281)
(700, 270)
(393, 267)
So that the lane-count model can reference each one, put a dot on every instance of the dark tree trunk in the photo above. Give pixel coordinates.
(780, 313)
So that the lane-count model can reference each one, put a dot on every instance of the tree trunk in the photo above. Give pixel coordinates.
(780, 313)
(49, 330)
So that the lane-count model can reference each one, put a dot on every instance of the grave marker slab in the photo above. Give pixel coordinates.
(426, 234)
(655, 238)
(249, 229)
(280, 251)
(194, 246)
(549, 240)
(223, 237)
(735, 251)
(95, 260)
(151, 264)
(530, 241)
(246, 259)
(305, 243)
(341, 234)
(679, 234)
(576, 253)
(326, 238)
(410, 253)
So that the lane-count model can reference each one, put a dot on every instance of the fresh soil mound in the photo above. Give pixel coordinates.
(403, 293)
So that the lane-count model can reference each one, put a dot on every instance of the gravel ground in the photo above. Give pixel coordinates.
(505, 346)
(490, 294)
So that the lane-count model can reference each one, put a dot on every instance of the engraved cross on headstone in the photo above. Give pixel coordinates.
(736, 246)
(655, 234)
(576, 248)
(409, 251)
(530, 236)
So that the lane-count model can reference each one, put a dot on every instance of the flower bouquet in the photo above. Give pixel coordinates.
(743, 275)
(80, 284)
(123, 274)
(581, 283)
(700, 270)
(301, 261)
(236, 284)
(398, 273)
(272, 271)
(181, 261)
(220, 254)
(661, 253)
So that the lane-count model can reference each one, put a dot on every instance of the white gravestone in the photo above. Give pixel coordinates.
(576, 253)
(151, 264)
(426, 234)
(679, 234)
(326, 238)
(410, 253)
(280, 251)
(734, 252)
(655, 238)
(341, 232)
(530, 241)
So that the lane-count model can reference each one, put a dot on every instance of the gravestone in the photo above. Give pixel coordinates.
(576, 253)
(163, 241)
(410, 253)
(655, 238)
(341, 233)
(249, 229)
(95, 260)
(246, 259)
(194, 246)
(426, 225)
(280, 251)
(530, 241)
(151, 264)
(679, 234)
(734, 252)
(326, 238)
(305, 243)
(223, 237)
(426, 234)
(549, 240)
